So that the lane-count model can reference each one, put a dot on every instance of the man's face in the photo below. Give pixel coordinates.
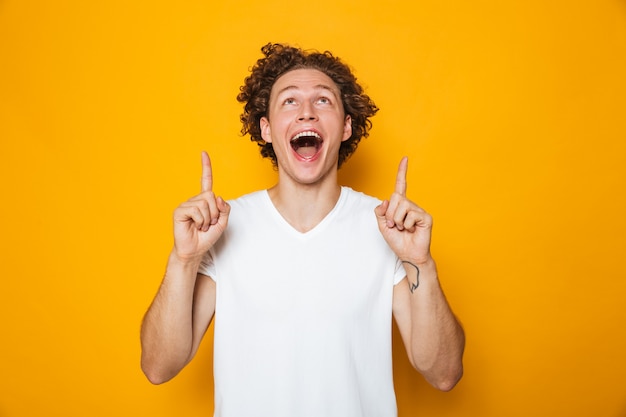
(306, 124)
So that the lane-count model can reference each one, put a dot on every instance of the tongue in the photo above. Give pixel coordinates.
(306, 151)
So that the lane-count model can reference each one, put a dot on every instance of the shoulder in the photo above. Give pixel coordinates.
(358, 207)
(248, 212)
(248, 208)
(253, 199)
(357, 199)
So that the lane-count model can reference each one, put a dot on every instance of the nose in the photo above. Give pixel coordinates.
(307, 112)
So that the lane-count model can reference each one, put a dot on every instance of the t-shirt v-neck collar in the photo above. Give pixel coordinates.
(320, 226)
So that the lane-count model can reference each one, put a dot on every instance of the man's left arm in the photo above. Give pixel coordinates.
(433, 337)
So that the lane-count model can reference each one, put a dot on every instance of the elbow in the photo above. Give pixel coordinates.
(155, 378)
(448, 382)
(442, 379)
(160, 366)
(156, 374)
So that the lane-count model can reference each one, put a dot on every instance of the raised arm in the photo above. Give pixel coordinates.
(183, 307)
(433, 337)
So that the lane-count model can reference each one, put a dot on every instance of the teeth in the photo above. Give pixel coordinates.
(306, 134)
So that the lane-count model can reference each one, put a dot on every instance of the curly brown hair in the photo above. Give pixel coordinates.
(280, 59)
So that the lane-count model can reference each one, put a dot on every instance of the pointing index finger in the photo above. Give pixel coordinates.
(401, 178)
(207, 173)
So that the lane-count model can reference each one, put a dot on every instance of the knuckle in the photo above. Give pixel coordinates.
(203, 204)
(195, 211)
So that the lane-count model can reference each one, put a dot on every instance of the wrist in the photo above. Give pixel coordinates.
(419, 271)
(184, 262)
(420, 262)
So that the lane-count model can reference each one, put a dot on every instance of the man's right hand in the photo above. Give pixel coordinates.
(200, 221)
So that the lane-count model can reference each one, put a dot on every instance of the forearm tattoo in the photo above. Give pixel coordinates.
(413, 286)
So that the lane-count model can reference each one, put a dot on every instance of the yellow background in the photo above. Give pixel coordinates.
(512, 114)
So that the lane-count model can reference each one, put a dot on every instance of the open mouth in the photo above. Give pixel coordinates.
(306, 144)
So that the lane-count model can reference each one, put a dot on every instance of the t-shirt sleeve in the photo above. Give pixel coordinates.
(207, 266)
(400, 272)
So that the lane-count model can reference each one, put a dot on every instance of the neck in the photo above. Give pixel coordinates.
(303, 206)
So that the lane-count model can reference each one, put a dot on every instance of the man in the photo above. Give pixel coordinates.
(303, 278)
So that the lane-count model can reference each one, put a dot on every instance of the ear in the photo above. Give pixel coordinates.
(266, 132)
(347, 128)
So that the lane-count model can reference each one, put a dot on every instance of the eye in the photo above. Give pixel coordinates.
(323, 100)
(289, 101)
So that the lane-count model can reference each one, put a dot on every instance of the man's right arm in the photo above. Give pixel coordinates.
(176, 320)
(184, 305)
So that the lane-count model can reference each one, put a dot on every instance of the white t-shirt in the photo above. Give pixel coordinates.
(303, 320)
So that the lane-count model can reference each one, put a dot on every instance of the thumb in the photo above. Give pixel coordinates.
(381, 216)
(223, 207)
(381, 210)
